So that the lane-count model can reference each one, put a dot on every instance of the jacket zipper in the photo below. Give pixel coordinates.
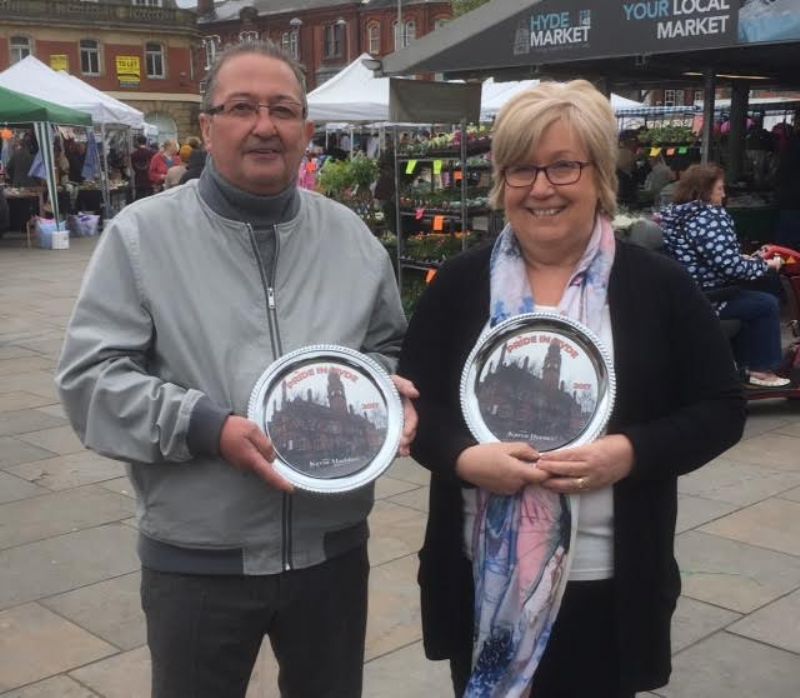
(277, 352)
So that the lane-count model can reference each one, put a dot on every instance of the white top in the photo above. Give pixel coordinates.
(593, 555)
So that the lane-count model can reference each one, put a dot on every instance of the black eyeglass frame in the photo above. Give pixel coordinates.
(220, 108)
(537, 169)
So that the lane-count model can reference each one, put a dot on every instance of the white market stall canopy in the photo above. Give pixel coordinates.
(32, 77)
(355, 95)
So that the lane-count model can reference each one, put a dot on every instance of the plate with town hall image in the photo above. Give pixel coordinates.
(541, 378)
(333, 416)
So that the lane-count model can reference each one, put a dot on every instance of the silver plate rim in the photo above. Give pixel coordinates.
(489, 339)
(382, 380)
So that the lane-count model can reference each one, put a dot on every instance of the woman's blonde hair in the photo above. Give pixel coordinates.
(522, 121)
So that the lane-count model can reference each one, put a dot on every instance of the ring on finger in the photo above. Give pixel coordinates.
(581, 482)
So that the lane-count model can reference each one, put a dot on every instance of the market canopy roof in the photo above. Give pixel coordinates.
(16, 108)
(635, 43)
(32, 77)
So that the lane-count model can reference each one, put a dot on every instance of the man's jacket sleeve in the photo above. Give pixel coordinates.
(115, 406)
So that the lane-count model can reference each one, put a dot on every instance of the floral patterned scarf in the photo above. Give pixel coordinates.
(521, 543)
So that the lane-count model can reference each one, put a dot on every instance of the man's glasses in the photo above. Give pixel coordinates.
(558, 174)
(248, 109)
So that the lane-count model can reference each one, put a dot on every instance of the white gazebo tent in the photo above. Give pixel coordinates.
(33, 78)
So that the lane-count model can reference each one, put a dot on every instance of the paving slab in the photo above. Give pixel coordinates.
(694, 621)
(733, 575)
(72, 470)
(416, 499)
(396, 538)
(36, 643)
(695, 511)
(791, 429)
(60, 440)
(728, 666)
(394, 618)
(13, 488)
(724, 480)
(119, 485)
(25, 365)
(776, 624)
(26, 521)
(125, 675)
(37, 382)
(21, 400)
(56, 687)
(768, 415)
(111, 610)
(773, 524)
(774, 450)
(14, 451)
(18, 422)
(59, 564)
(408, 470)
(11, 351)
(406, 673)
(386, 486)
(793, 495)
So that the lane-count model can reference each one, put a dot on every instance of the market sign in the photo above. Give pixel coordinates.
(59, 61)
(552, 31)
(129, 71)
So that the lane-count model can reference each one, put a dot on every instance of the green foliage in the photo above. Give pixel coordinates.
(348, 180)
(461, 7)
(668, 135)
(413, 287)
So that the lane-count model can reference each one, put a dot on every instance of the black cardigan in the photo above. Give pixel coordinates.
(678, 400)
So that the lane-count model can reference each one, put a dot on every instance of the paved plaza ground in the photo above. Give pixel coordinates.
(70, 620)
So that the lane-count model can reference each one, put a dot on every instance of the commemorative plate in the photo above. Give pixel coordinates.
(333, 415)
(541, 378)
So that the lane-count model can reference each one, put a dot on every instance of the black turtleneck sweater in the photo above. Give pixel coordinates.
(262, 213)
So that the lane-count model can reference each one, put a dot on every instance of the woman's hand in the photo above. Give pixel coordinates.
(587, 468)
(500, 468)
(775, 263)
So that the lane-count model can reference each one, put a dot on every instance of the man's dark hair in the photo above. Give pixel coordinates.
(259, 48)
(141, 140)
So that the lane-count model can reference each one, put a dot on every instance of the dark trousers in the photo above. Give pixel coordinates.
(757, 345)
(581, 658)
(204, 631)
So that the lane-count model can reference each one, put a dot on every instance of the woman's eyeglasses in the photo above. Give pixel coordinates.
(558, 174)
(247, 110)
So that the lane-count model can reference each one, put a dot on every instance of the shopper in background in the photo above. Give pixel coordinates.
(140, 162)
(501, 619)
(176, 172)
(699, 233)
(190, 296)
(161, 162)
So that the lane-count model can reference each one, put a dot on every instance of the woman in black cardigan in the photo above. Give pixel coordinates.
(678, 405)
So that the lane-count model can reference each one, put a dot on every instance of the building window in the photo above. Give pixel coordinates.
(405, 35)
(333, 40)
(699, 96)
(20, 48)
(669, 98)
(679, 98)
(210, 46)
(90, 57)
(154, 60)
(147, 3)
(289, 43)
(411, 31)
(374, 39)
(439, 22)
(250, 35)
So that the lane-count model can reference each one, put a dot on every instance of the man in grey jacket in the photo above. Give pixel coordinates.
(189, 296)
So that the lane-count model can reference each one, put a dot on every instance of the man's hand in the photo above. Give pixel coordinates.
(500, 468)
(247, 448)
(586, 468)
(407, 393)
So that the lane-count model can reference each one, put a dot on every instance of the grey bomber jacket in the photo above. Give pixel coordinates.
(174, 306)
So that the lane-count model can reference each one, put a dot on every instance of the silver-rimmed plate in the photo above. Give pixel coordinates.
(541, 378)
(333, 415)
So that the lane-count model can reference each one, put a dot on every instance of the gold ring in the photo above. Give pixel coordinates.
(581, 483)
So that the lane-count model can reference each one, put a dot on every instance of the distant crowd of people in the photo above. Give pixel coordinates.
(171, 165)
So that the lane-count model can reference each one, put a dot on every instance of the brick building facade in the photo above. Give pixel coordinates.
(325, 35)
(143, 52)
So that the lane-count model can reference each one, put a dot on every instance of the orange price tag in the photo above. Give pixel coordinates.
(458, 175)
(438, 223)
(430, 276)
(670, 151)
